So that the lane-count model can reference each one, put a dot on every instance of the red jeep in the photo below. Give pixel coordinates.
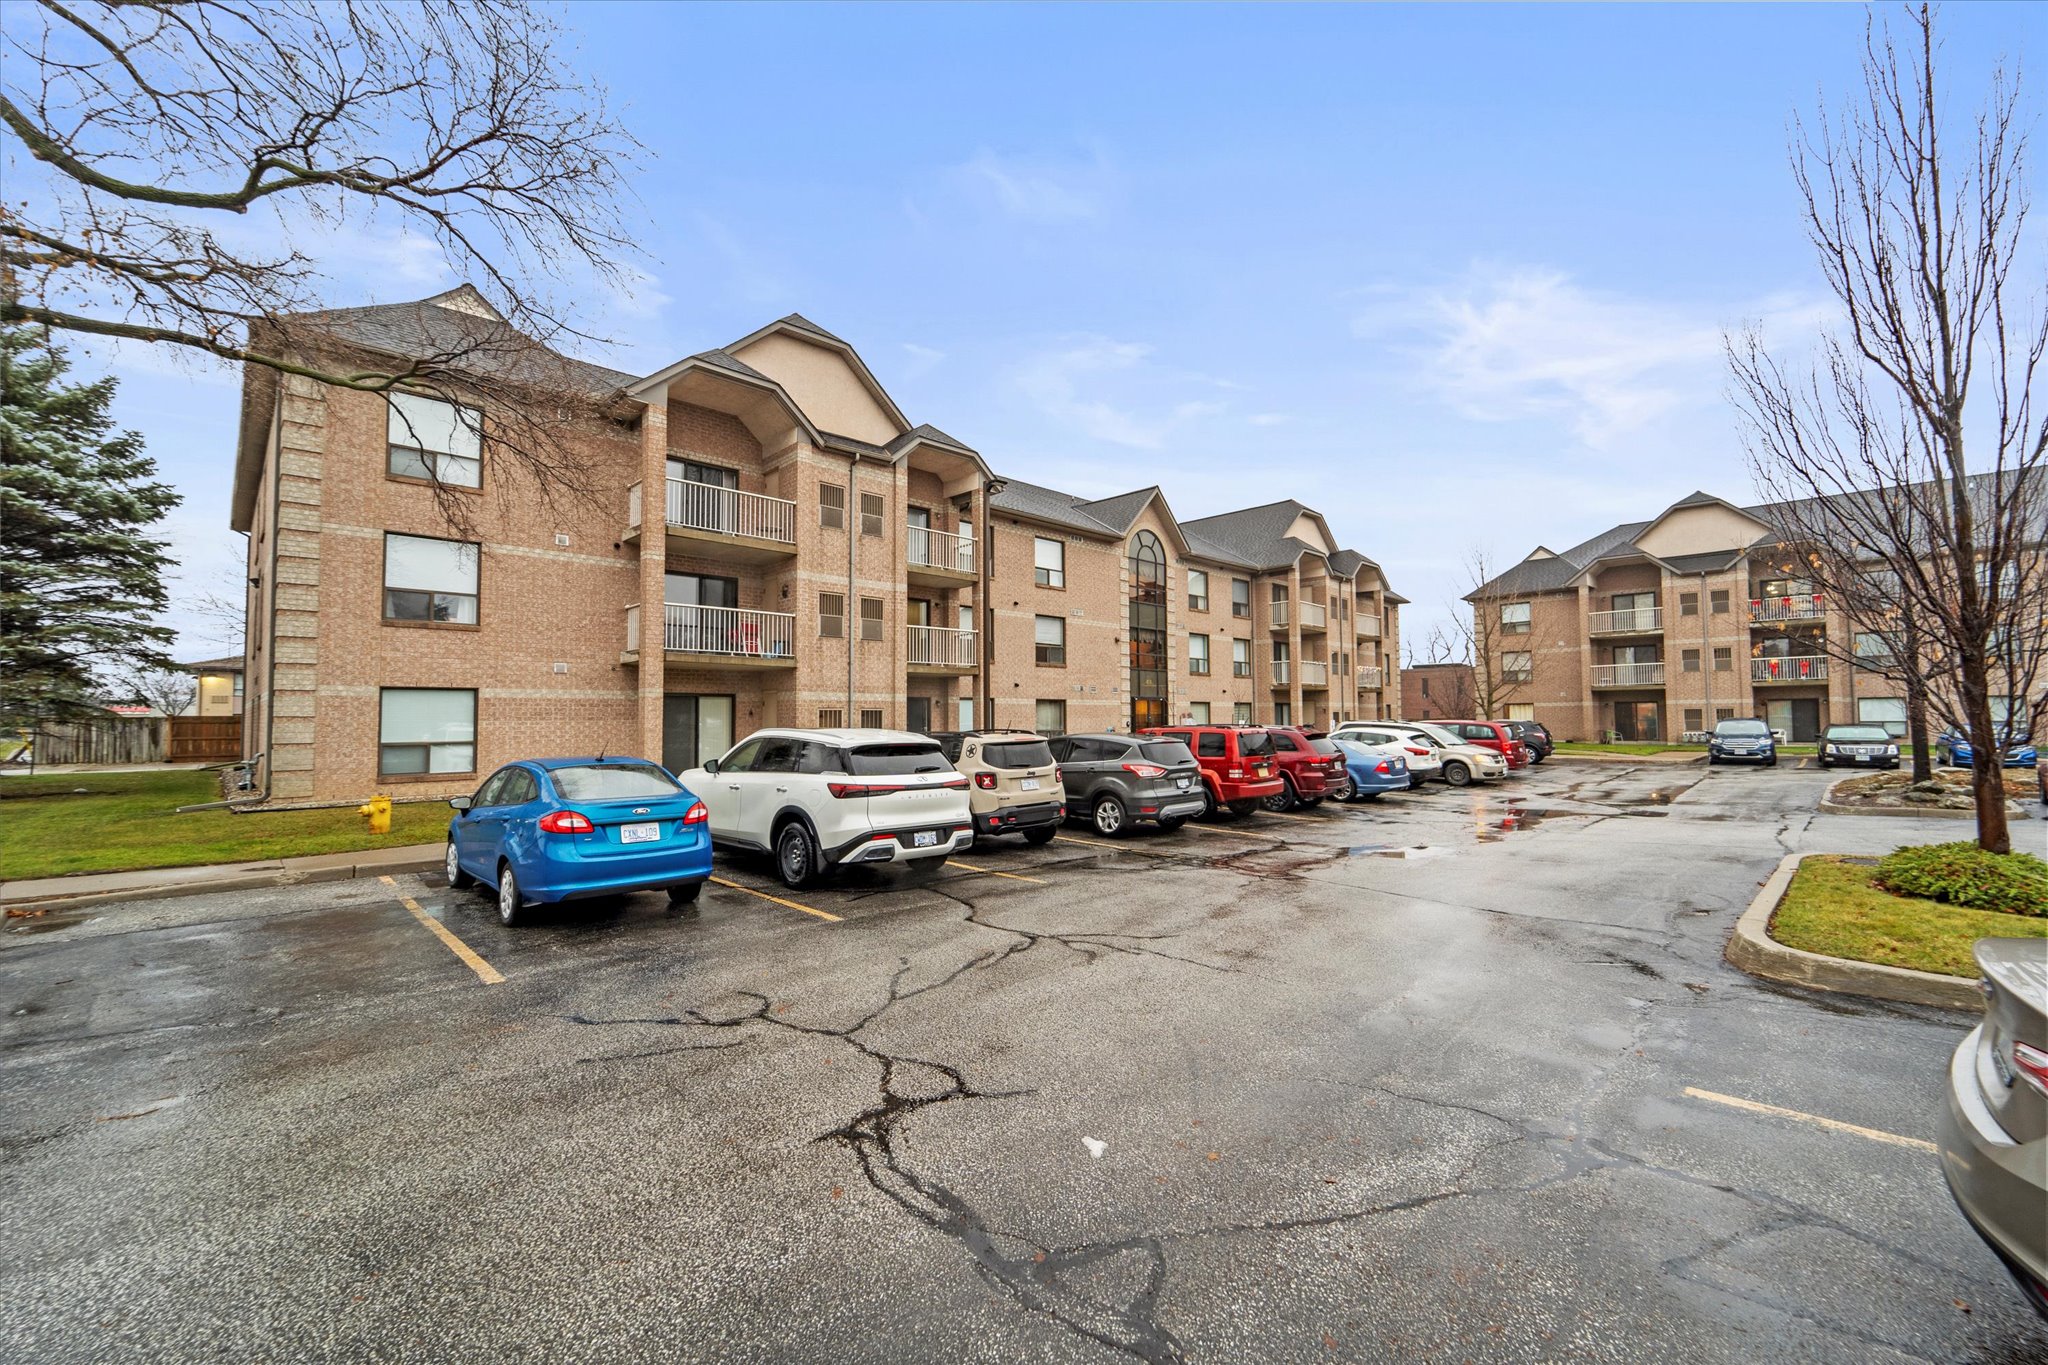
(1311, 768)
(1238, 768)
(1491, 734)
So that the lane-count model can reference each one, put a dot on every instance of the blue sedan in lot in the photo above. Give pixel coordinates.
(1372, 770)
(1955, 750)
(555, 829)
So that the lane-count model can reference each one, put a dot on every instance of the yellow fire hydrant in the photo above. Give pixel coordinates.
(377, 810)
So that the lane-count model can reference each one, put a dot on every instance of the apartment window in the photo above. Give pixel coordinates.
(1719, 601)
(1240, 658)
(1049, 634)
(430, 582)
(1514, 618)
(872, 510)
(1241, 597)
(1688, 661)
(1198, 590)
(871, 718)
(870, 618)
(1890, 712)
(1425, 687)
(1695, 720)
(1281, 652)
(1048, 562)
(1240, 713)
(426, 731)
(1050, 717)
(1873, 651)
(1279, 592)
(1283, 713)
(831, 717)
(1722, 713)
(832, 615)
(1724, 660)
(435, 441)
(1198, 654)
(1199, 712)
(831, 507)
(1522, 711)
(1517, 665)
(1688, 604)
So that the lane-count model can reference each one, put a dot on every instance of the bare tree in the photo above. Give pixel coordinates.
(1494, 638)
(160, 126)
(1920, 246)
(169, 690)
(1443, 645)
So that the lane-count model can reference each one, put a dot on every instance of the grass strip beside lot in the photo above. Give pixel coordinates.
(1836, 908)
(125, 821)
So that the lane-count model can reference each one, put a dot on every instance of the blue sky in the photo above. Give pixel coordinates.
(1455, 276)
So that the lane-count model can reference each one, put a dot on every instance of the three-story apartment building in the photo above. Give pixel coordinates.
(756, 535)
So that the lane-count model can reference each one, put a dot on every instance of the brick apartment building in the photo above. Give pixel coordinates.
(770, 528)
(1438, 692)
(1659, 628)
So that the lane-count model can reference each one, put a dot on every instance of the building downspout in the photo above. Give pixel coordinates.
(852, 601)
(1706, 656)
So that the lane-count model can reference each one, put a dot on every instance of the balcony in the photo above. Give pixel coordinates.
(1368, 627)
(744, 528)
(1315, 676)
(1628, 675)
(1281, 613)
(720, 637)
(1629, 621)
(1314, 616)
(1804, 607)
(1796, 668)
(940, 558)
(935, 649)
(1282, 673)
(1370, 679)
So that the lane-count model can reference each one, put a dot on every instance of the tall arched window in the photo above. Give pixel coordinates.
(1148, 631)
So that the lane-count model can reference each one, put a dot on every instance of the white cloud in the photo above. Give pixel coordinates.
(1040, 188)
(1269, 419)
(634, 294)
(922, 359)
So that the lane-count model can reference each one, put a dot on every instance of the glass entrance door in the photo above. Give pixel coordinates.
(1798, 718)
(694, 728)
(1639, 722)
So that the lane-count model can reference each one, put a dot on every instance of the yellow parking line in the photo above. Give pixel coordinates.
(1125, 848)
(1233, 833)
(821, 914)
(1874, 1134)
(1284, 815)
(488, 974)
(991, 872)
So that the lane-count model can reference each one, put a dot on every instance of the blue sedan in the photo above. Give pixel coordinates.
(1956, 751)
(555, 829)
(1372, 770)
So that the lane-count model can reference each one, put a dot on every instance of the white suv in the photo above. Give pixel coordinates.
(819, 799)
(1460, 764)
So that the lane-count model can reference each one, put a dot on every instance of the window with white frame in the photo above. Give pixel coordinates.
(832, 619)
(1240, 658)
(1198, 654)
(426, 731)
(1240, 713)
(1200, 711)
(1048, 562)
(1526, 710)
(430, 582)
(1049, 637)
(1514, 618)
(1519, 665)
(1890, 712)
(1050, 717)
(437, 441)
(1198, 590)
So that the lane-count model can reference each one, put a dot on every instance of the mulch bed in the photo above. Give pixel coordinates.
(1892, 790)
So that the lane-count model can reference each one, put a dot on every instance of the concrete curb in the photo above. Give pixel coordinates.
(1672, 759)
(1829, 806)
(1752, 949)
(58, 893)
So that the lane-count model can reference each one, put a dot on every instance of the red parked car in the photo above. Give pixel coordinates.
(1311, 767)
(1238, 768)
(1491, 734)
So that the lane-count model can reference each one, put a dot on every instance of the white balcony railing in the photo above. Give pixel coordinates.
(1793, 669)
(1281, 673)
(721, 511)
(1314, 616)
(1368, 627)
(720, 630)
(1628, 675)
(931, 549)
(1804, 607)
(1281, 613)
(1628, 621)
(1314, 673)
(936, 646)
(1370, 678)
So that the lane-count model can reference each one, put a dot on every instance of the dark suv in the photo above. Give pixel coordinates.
(1238, 771)
(1117, 781)
(1533, 736)
(1311, 768)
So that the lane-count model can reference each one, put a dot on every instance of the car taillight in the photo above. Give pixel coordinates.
(985, 781)
(1423, 753)
(1235, 774)
(846, 789)
(2032, 1064)
(566, 822)
(696, 815)
(1383, 768)
(1144, 770)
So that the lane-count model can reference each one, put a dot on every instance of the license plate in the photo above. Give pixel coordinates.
(1183, 782)
(639, 834)
(1265, 772)
(925, 838)
(1029, 784)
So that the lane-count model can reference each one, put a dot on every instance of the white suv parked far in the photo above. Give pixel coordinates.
(820, 799)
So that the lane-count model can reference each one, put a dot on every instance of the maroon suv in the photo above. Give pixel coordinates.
(1491, 734)
(1238, 768)
(1311, 768)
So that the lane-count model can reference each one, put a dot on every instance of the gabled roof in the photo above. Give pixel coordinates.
(796, 324)
(1120, 511)
(1256, 536)
(1035, 502)
(231, 663)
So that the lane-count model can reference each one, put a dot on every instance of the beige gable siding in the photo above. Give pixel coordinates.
(1700, 530)
(1309, 530)
(824, 385)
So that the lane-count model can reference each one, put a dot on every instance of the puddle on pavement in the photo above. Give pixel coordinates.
(44, 924)
(1391, 851)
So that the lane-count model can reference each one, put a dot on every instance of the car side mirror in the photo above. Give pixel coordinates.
(711, 767)
(459, 802)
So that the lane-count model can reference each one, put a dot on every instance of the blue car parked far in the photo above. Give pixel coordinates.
(1956, 751)
(554, 829)
(1372, 770)
(1742, 741)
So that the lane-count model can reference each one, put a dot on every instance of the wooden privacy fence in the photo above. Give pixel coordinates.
(206, 739)
(115, 741)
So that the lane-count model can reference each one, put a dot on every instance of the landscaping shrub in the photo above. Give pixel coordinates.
(1964, 874)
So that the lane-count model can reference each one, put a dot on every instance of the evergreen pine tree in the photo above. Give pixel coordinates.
(81, 570)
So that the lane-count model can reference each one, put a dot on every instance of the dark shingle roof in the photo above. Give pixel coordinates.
(1048, 504)
(231, 663)
(1121, 510)
(925, 431)
(1256, 536)
(1712, 562)
(481, 342)
(798, 320)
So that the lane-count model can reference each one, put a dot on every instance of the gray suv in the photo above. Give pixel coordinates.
(1116, 781)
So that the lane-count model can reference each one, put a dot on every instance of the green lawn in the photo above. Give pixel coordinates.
(129, 820)
(1833, 907)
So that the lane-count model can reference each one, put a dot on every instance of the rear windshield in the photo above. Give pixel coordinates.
(1742, 727)
(1439, 734)
(1250, 742)
(895, 760)
(1323, 747)
(1859, 734)
(613, 782)
(1017, 753)
(1165, 751)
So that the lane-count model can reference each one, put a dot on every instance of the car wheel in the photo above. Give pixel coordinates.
(1210, 809)
(1457, 774)
(1242, 808)
(685, 894)
(1108, 817)
(1771, 762)
(1042, 835)
(1283, 800)
(457, 878)
(796, 856)
(1170, 823)
(1343, 788)
(511, 900)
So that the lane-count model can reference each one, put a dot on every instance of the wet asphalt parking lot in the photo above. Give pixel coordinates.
(1445, 1077)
